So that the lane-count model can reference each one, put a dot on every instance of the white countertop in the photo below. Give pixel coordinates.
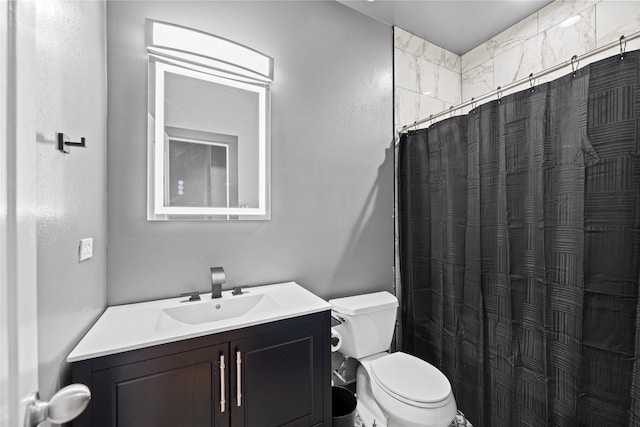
(133, 326)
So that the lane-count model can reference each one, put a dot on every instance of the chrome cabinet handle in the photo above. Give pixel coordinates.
(223, 402)
(239, 377)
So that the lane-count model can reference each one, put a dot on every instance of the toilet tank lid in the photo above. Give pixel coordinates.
(365, 303)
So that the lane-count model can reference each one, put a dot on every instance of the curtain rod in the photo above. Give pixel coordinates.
(573, 62)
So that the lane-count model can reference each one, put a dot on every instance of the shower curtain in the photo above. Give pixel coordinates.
(520, 251)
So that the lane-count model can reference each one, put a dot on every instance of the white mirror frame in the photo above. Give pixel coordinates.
(157, 147)
(221, 64)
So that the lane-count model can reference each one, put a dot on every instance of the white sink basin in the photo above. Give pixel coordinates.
(194, 313)
(132, 326)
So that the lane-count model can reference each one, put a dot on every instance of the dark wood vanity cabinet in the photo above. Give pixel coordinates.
(275, 374)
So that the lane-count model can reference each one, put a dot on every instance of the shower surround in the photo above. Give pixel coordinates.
(538, 42)
(429, 79)
(520, 243)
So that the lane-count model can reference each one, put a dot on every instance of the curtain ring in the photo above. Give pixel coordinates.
(531, 82)
(451, 110)
(574, 64)
(431, 118)
(499, 94)
(623, 47)
(473, 105)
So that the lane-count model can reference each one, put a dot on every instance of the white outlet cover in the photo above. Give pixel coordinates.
(86, 249)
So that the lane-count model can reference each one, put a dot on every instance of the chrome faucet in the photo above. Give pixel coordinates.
(217, 280)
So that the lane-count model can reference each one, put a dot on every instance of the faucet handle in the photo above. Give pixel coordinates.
(237, 290)
(193, 296)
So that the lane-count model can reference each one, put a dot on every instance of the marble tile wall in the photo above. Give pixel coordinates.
(544, 40)
(427, 78)
(430, 79)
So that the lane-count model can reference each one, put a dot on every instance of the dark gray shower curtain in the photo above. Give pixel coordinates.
(520, 251)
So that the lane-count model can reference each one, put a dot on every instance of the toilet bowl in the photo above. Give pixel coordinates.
(410, 392)
(393, 389)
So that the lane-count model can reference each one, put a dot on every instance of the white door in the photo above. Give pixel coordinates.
(18, 292)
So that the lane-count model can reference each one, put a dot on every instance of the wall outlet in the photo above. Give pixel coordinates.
(86, 249)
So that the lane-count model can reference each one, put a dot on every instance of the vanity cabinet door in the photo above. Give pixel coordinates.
(181, 389)
(279, 377)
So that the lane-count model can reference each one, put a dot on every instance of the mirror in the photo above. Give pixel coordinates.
(208, 141)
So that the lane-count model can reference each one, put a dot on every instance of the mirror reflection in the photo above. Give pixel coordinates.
(204, 123)
(201, 170)
(208, 144)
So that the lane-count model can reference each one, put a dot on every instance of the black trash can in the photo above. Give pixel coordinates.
(343, 407)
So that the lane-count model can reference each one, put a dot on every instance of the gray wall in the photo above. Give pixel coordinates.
(71, 188)
(332, 172)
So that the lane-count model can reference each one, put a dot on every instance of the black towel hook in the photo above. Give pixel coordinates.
(62, 142)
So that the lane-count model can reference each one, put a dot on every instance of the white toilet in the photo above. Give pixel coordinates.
(393, 389)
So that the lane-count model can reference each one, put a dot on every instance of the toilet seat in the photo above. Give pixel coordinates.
(411, 380)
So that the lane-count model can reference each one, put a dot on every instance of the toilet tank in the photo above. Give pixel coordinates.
(368, 322)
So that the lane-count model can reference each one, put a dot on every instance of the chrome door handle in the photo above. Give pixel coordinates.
(223, 402)
(64, 406)
(239, 378)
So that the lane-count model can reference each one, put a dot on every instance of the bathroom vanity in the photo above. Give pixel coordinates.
(259, 365)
